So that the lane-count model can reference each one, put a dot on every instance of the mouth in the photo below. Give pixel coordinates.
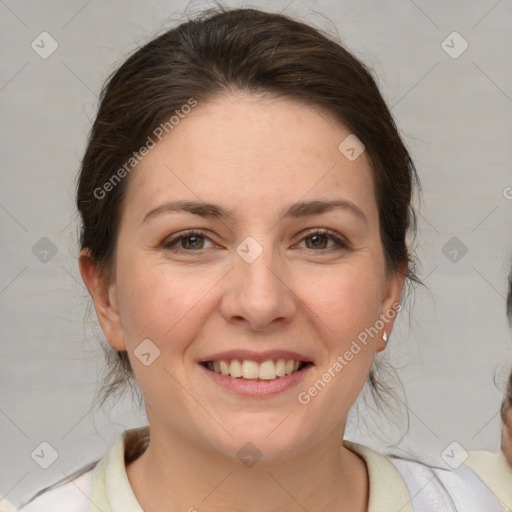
(247, 369)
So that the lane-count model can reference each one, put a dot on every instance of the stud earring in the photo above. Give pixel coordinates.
(385, 337)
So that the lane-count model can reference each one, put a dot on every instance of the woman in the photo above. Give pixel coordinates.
(245, 199)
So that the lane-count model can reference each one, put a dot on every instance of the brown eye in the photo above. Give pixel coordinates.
(193, 242)
(186, 242)
(317, 241)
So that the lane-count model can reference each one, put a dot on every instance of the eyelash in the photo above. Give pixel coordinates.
(168, 244)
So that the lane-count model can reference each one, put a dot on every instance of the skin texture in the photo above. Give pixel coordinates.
(255, 156)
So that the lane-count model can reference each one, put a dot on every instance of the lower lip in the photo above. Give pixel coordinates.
(257, 388)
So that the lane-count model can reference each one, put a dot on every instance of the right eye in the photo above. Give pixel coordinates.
(189, 241)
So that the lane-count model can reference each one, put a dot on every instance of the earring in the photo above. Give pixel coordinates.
(385, 337)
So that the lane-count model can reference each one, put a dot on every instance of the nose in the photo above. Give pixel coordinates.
(259, 294)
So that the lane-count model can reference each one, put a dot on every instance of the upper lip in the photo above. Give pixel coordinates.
(259, 357)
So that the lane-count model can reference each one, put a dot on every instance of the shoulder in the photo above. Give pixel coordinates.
(457, 488)
(423, 487)
(495, 471)
(100, 486)
(72, 496)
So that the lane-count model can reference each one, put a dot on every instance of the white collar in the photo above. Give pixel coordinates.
(111, 490)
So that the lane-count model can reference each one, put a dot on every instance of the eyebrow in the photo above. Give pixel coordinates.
(296, 210)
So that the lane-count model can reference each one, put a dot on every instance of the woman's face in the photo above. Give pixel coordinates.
(256, 277)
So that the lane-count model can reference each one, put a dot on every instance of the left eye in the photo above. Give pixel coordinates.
(319, 239)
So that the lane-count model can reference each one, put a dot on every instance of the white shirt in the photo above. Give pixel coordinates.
(396, 485)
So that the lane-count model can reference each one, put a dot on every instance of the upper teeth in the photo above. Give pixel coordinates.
(248, 369)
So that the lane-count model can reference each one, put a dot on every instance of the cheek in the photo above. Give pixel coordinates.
(347, 300)
(167, 309)
(344, 307)
(159, 304)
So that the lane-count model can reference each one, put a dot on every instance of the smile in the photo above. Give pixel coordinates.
(252, 370)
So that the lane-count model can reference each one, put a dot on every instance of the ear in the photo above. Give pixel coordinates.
(104, 295)
(391, 303)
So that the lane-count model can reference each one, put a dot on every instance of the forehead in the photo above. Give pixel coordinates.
(245, 151)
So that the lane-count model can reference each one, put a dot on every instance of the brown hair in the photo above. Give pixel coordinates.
(245, 50)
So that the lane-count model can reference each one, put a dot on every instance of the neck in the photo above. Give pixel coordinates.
(177, 474)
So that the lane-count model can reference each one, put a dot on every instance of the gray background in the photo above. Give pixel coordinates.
(455, 114)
